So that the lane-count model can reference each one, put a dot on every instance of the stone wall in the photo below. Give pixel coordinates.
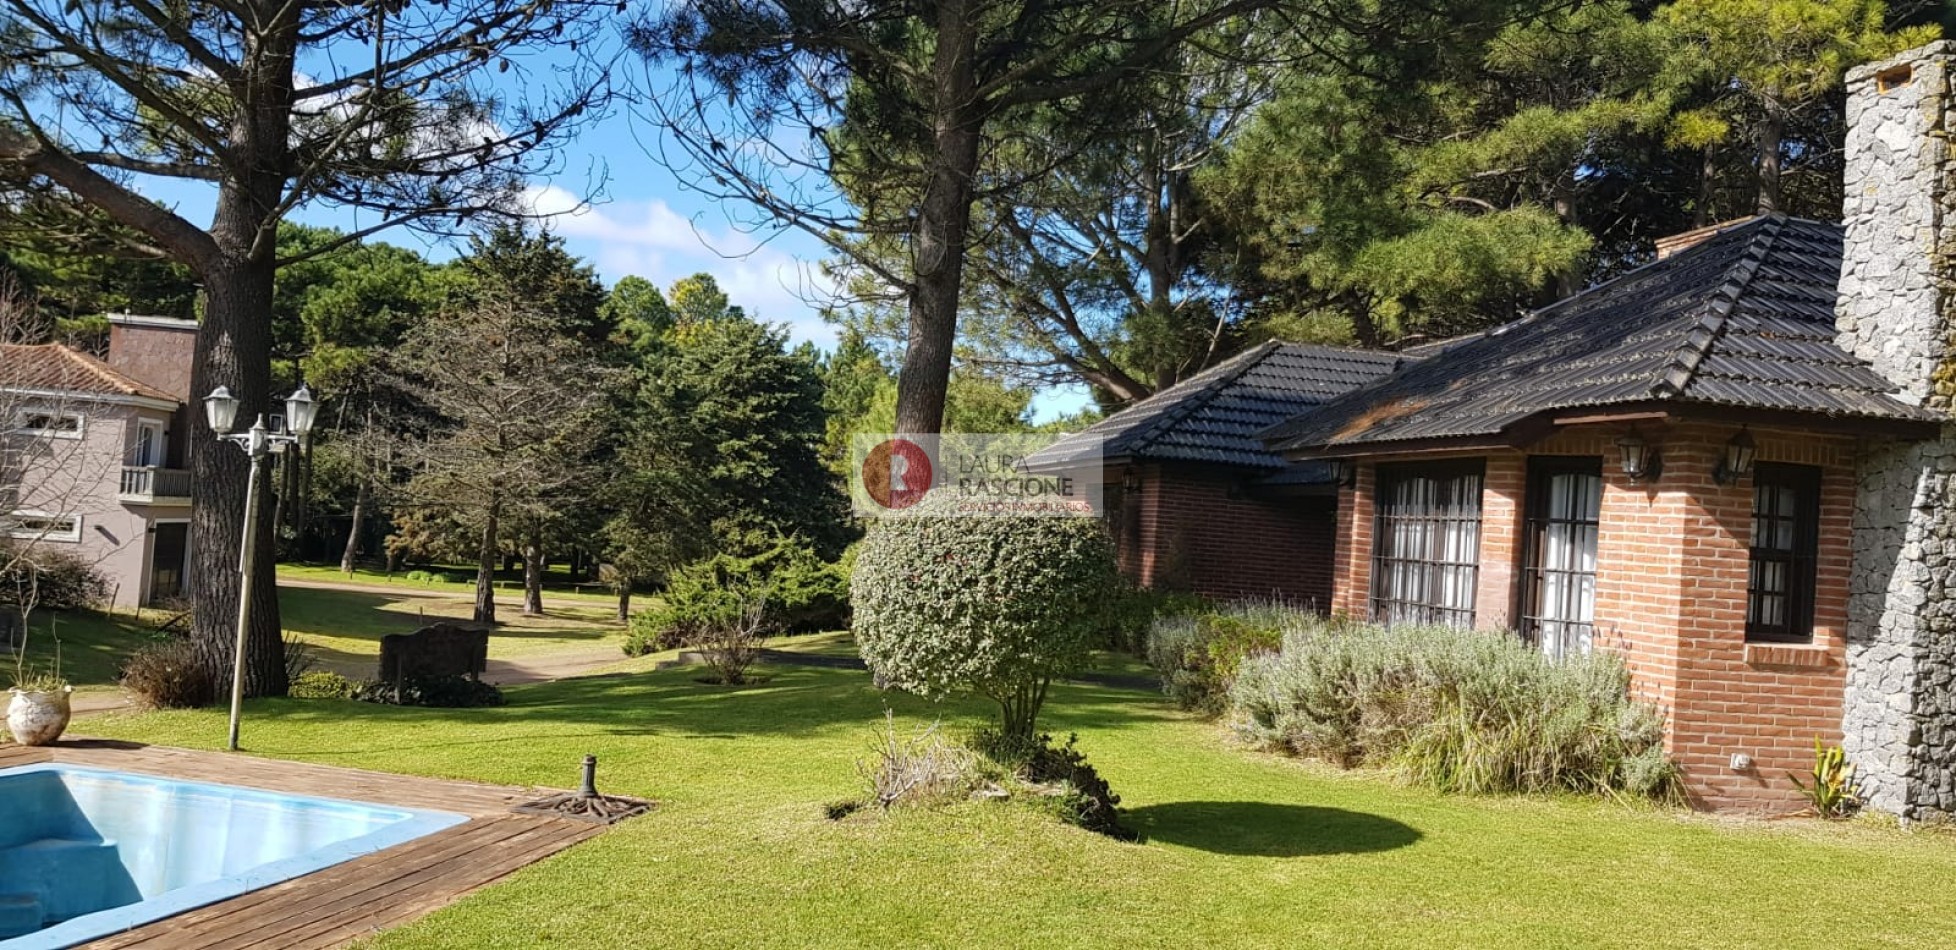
(1894, 310)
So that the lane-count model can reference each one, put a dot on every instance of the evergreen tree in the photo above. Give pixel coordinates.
(1759, 75)
(513, 263)
(726, 409)
(638, 311)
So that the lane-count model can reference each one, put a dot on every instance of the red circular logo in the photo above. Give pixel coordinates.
(897, 473)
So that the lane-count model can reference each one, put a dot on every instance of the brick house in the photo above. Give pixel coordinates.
(1735, 467)
(1663, 466)
(94, 459)
(1197, 503)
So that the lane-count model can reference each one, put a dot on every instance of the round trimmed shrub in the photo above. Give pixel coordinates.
(997, 605)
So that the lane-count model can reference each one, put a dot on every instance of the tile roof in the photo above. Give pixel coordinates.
(1743, 320)
(1215, 415)
(53, 366)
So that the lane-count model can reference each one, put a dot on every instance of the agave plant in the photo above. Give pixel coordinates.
(1833, 792)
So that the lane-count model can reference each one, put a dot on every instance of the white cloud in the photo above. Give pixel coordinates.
(653, 241)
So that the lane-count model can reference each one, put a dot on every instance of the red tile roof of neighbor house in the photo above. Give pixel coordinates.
(59, 368)
(1741, 321)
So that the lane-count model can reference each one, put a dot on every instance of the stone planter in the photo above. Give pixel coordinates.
(38, 717)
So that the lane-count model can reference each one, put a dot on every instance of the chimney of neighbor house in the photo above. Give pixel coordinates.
(155, 351)
(1894, 310)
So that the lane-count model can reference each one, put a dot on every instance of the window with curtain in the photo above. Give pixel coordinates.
(1426, 549)
(1564, 512)
(1785, 544)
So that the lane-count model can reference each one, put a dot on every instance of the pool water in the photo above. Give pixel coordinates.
(86, 852)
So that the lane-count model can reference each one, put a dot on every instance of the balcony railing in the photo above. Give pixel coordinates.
(147, 484)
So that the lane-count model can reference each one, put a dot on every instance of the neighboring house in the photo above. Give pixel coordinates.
(1197, 503)
(97, 457)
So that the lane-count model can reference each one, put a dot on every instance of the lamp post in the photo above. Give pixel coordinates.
(259, 444)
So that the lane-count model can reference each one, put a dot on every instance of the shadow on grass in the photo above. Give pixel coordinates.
(796, 701)
(1264, 829)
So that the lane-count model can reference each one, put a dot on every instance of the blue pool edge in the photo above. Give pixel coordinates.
(419, 823)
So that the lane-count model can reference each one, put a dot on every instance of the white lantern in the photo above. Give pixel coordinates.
(299, 411)
(221, 409)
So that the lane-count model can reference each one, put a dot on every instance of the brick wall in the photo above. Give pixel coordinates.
(1765, 701)
(1671, 598)
(156, 351)
(1191, 528)
(1351, 580)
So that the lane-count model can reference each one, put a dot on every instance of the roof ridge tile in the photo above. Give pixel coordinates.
(1710, 326)
(1199, 396)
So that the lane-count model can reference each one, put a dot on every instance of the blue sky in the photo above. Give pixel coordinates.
(626, 214)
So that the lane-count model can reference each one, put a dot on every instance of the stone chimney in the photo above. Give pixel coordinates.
(1897, 298)
(156, 351)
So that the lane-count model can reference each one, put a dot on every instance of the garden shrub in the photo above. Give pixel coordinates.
(448, 692)
(299, 658)
(1198, 654)
(51, 580)
(166, 675)
(997, 605)
(1062, 777)
(924, 769)
(1136, 610)
(323, 684)
(1457, 710)
(798, 592)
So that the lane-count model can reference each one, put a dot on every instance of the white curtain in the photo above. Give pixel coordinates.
(1566, 613)
(1429, 541)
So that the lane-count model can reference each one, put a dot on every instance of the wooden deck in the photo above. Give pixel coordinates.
(334, 906)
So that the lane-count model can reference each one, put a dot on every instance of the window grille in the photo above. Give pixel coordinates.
(1426, 548)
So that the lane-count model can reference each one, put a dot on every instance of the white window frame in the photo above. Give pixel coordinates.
(157, 448)
(14, 530)
(21, 426)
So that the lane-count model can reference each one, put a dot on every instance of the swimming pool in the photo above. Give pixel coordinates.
(88, 852)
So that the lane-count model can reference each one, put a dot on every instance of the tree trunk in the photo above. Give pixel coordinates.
(624, 601)
(282, 491)
(1707, 179)
(351, 555)
(1569, 280)
(533, 574)
(485, 568)
(943, 217)
(233, 349)
(1772, 130)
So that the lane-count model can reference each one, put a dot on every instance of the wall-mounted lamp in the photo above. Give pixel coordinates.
(1736, 463)
(1640, 459)
(1131, 480)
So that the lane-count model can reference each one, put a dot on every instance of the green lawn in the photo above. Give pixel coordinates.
(1244, 850)
(344, 627)
(92, 645)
